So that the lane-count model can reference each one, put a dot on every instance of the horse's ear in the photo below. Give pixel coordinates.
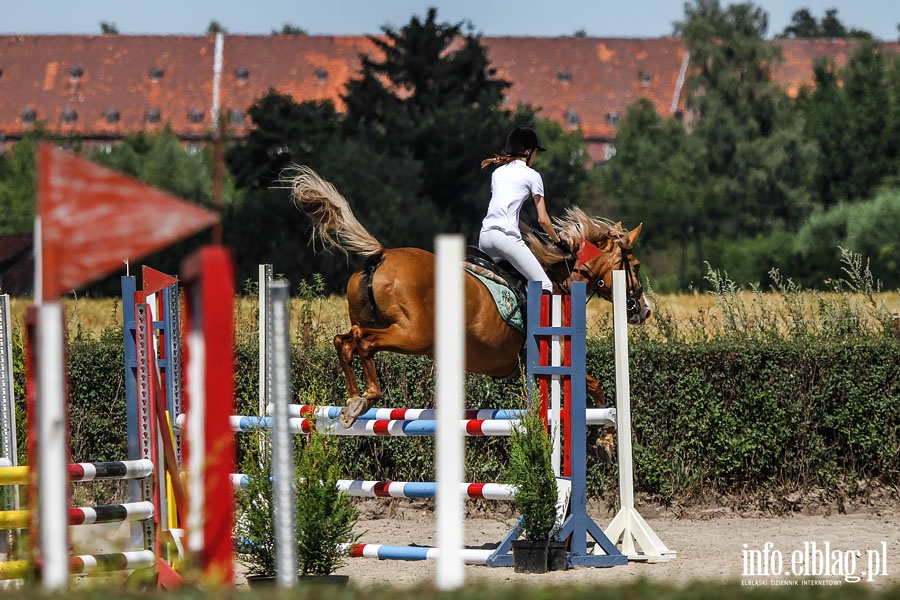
(633, 234)
(619, 225)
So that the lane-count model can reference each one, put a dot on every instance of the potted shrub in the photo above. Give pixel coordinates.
(325, 515)
(530, 469)
(255, 525)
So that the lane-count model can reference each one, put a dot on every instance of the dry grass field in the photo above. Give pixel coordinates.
(325, 316)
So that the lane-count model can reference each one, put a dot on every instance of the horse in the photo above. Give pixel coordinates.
(391, 297)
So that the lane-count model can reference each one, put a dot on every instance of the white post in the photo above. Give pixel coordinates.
(217, 77)
(628, 526)
(195, 436)
(53, 513)
(555, 386)
(265, 277)
(284, 492)
(450, 383)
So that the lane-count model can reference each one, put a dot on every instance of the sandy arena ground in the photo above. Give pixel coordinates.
(709, 545)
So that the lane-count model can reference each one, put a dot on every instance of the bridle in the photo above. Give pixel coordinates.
(599, 288)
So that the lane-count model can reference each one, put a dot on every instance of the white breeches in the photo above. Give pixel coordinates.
(501, 245)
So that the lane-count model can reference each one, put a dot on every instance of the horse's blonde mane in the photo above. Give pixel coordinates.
(574, 226)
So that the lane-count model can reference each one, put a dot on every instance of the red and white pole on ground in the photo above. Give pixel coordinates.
(450, 376)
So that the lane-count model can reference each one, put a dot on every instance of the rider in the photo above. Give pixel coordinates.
(511, 185)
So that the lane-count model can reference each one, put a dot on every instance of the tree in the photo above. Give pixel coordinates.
(18, 191)
(161, 160)
(107, 28)
(284, 133)
(853, 116)
(804, 25)
(564, 166)
(743, 123)
(433, 98)
(215, 27)
(18, 178)
(288, 29)
(654, 178)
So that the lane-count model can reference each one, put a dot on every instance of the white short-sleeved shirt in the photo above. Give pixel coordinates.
(511, 185)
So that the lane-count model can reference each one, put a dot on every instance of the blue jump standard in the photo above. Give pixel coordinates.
(578, 524)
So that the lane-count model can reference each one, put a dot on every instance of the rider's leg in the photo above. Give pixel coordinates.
(498, 244)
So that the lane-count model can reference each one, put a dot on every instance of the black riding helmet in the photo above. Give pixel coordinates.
(522, 139)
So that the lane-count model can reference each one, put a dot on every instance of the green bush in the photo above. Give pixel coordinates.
(530, 469)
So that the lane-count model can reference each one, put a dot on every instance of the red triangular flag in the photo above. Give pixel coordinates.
(93, 219)
(154, 281)
(588, 252)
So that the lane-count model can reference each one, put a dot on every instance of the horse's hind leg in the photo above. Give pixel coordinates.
(366, 343)
(349, 344)
(346, 347)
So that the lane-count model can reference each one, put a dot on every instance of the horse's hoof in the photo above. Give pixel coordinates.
(355, 407)
(601, 444)
(605, 450)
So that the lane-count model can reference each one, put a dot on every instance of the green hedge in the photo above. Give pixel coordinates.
(722, 416)
(730, 416)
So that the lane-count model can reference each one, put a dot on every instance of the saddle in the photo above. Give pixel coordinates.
(503, 273)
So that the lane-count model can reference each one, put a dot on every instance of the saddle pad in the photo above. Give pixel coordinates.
(506, 302)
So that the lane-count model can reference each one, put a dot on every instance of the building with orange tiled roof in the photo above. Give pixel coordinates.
(103, 87)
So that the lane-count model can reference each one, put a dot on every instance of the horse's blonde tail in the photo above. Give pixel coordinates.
(334, 221)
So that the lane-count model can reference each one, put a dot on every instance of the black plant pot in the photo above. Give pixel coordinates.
(335, 580)
(264, 581)
(530, 556)
(261, 581)
(557, 557)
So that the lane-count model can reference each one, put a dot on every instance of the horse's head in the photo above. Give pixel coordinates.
(598, 258)
(602, 248)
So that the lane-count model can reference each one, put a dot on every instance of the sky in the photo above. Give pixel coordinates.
(599, 18)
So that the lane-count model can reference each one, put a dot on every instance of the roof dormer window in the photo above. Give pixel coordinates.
(153, 115)
(237, 117)
(76, 72)
(321, 74)
(156, 73)
(564, 76)
(241, 74)
(645, 78)
(111, 116)
(612, 117)
(69, 115)
(29, 115)
(195, 115)
(572, 118)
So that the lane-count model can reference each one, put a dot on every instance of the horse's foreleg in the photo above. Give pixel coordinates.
(595, 392)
